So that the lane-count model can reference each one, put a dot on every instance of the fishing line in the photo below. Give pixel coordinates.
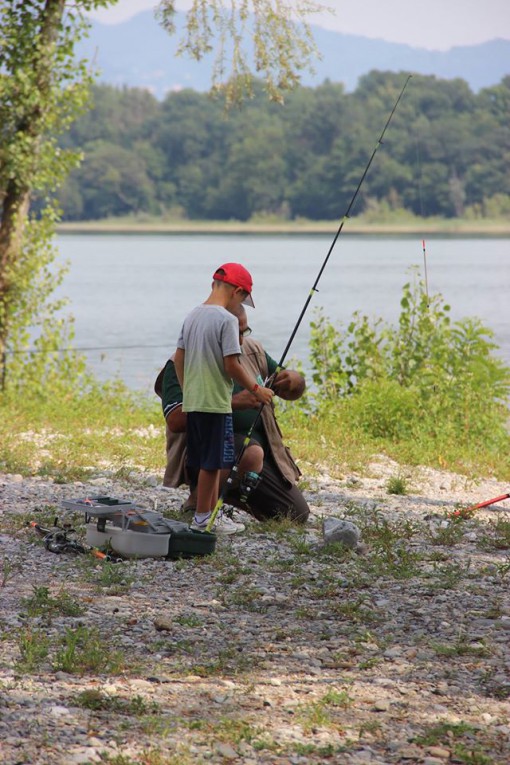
(422, 216)
(234, 471)
(89, 348)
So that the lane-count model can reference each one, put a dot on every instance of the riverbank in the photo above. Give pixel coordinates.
(429, 227)
(274, 650)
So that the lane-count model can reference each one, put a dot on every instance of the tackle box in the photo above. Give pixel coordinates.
(185, 543)
(134, 532)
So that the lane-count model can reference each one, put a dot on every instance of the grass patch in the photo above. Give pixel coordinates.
(44, 436)
(34, 648)
(397, 484)
(451, 575)
(390, 551)
(41, 603)
(461, 647)
(189, 620)
(334, 439)
(496, 536)
(108, 577)
(97, 701)
(83, 650)
(447, 534)
(228, 662)
(9, 567)
(325, 712)
(233, 731)
(44, 516)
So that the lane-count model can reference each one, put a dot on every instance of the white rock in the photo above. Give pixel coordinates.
(58, 711)
(338, 530)
(227, 752)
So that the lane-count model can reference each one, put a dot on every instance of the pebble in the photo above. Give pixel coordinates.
(227, 752)
(164, 624)
(59, 711)
(263, 635)
(84, 756)
(439, 752)
(364, 755)
(382, 706)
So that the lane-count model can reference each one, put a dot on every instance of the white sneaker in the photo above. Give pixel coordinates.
(222, 525)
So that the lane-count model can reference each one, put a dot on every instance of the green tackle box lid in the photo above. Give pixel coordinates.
(188, 543)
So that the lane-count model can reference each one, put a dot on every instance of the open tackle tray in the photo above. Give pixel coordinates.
(99, 507)
(134, 532)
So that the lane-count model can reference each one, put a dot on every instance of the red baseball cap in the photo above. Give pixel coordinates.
(236, 275)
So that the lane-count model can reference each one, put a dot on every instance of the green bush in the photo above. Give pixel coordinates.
(384, 409)
(425, 379)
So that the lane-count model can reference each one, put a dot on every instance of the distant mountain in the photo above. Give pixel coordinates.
(138, 53)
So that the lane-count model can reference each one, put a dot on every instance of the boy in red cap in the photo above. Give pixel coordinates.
(206, 362)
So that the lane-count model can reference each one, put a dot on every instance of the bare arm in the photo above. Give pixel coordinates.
(179, 365)
(244, 400)
(234, 369)
(176, 420)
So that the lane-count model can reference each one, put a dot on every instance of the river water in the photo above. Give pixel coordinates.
(129, 293)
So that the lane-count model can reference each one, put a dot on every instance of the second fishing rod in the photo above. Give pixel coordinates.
(234, 472)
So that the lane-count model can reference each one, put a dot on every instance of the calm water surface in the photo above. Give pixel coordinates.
(130, 293)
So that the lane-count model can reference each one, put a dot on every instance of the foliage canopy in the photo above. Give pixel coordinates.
(280, 42)
(447, 153)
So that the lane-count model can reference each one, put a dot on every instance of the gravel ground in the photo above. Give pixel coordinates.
(276, 649)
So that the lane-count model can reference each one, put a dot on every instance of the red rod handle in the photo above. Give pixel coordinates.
(489, 502)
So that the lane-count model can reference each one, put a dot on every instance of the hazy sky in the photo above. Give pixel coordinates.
(432, 24)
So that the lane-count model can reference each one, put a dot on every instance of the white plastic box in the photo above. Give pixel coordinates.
(129, 544)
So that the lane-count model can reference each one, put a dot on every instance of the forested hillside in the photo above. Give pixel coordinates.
(447, 153)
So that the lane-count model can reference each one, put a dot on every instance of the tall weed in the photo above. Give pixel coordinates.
(425, 382)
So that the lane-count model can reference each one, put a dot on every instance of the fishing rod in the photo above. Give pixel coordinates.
(425, 270)
(235, 469)
(467, 512)
(342, 222)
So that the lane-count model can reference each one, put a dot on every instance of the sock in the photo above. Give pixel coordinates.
(201, 517)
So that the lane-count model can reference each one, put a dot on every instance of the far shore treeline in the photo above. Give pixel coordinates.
(446, 153)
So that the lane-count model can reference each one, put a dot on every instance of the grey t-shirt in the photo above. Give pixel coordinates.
(208, 334)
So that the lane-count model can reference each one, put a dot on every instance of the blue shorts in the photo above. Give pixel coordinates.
(210, 440)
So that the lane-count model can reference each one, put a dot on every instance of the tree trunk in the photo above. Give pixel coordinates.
(16, 200)
(16, 205)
